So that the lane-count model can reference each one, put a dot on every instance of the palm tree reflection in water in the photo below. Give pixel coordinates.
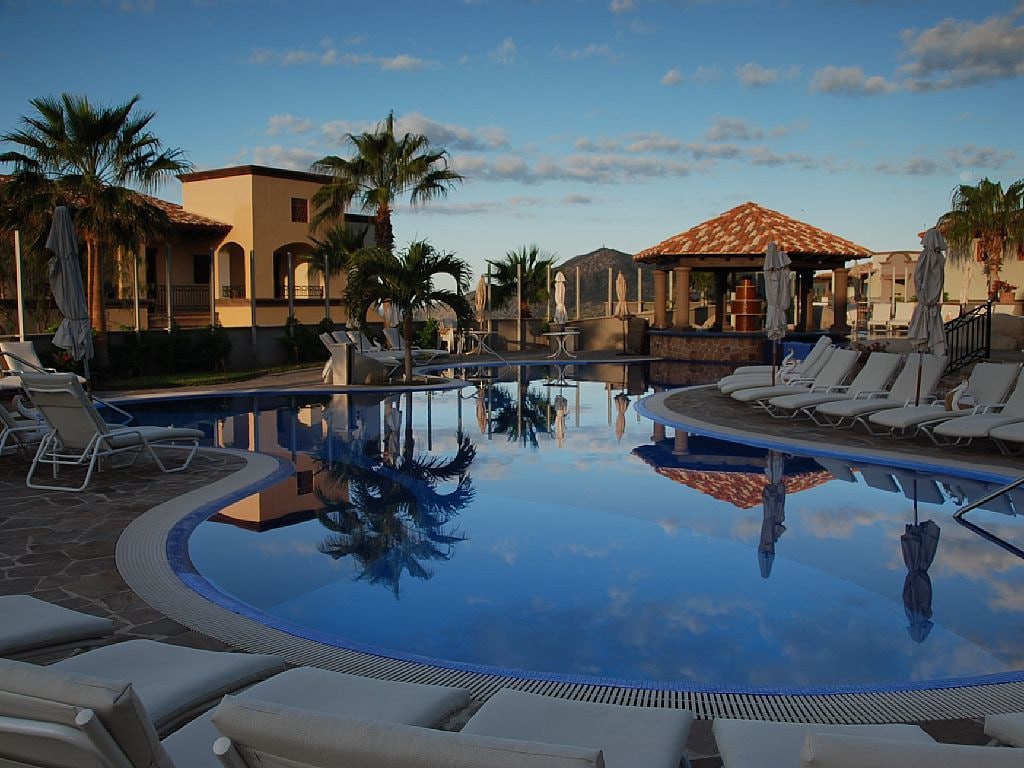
(386, 509)
(520, 415)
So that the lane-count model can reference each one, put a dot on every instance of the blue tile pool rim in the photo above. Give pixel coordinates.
(652, 406)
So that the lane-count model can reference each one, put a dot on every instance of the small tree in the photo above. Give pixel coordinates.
(406, 279)
(333, 253)
(987, 218)
(534, 265)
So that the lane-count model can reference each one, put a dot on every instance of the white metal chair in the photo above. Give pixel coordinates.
(79, 437)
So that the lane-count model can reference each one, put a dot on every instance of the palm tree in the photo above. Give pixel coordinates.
(383, 169)
(333, 254)
(535, 265)
(406, 279)
(74, 153)
(989, 216)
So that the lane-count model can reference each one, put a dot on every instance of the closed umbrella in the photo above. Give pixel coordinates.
(391, 313)
(621, 407)
(481, 300)
(774, 501)
(776, 289)
(74, 333)
(561, 315)
(621, 307)
(561, 410)
(926, 331)
(919, 544)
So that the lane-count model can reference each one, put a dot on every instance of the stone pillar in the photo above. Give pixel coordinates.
(660, 298)
(842, 279)
(682, 443)
(658, 435)
(681, 316)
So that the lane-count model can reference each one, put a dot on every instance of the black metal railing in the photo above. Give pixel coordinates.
(969, 337)
(232, 291)
(984, 532)
(184, 298)
(301, 291)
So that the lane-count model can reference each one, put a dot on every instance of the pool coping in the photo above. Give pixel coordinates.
(142, 559)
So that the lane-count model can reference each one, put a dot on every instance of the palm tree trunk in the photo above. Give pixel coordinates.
(383, 233)
(407, 337)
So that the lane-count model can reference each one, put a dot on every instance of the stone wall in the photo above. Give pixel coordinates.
(736, 348)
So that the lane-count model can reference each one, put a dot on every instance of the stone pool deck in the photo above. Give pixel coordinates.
(61, 546)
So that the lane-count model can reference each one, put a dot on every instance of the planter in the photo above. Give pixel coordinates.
(1006, 297)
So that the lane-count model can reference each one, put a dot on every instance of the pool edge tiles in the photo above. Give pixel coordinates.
(857, 704)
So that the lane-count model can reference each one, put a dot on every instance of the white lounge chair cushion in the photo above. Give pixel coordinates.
(911, 415)
(286, 737)
(172, 681)
(55, 696)
(1011, 433)
(27, 623)
(644, 737)
(1007, 728)
(326, 692)
(743, 743)
(121, 437)
(835, 750)
(976, 425)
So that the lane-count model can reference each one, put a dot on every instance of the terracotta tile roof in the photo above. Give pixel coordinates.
(747, 230)
(741, 489)
(182, 218)
(179, 216)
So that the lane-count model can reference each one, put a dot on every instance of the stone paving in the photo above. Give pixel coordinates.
(60, 546)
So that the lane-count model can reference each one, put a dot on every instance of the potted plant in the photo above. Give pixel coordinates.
(1004, 291)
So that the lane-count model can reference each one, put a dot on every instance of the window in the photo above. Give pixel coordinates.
(201, 269)
(300, 210)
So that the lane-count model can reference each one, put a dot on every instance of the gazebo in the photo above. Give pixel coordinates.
(735, 242)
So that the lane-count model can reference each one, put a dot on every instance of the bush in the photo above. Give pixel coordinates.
(426, 336)
(154, 353)
(302, 342)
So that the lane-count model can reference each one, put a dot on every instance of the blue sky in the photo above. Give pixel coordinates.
(577, 124)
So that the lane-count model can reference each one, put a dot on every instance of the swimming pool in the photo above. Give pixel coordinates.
(552, 536)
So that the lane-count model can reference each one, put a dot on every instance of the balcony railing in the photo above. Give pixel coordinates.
(232, 291)
(301, 291)
(184, 298)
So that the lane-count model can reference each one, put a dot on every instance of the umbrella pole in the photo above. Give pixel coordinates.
(775, 358)
(917, 391)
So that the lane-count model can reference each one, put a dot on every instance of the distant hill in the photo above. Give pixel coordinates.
(593, 269)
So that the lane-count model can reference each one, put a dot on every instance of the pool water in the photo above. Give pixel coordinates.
(539, 524)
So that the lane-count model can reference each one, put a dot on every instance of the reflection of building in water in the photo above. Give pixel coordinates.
(726, 471)
(296, 432)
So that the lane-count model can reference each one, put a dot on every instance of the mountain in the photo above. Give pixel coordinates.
(593, 270)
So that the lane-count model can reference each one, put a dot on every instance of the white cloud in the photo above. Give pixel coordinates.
(849, 81)
(329, 56)
(672, 77)
(912, 166)
(654, 142)
(591, 51)
(733, 129)
(981, 157)
(452, 137)
(277, 156)
(755, 76)
(278, 124)
(957, 53)
(578, 199)
(621, 6)
(505, 53)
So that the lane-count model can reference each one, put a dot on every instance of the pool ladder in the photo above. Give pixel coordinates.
(960, 513)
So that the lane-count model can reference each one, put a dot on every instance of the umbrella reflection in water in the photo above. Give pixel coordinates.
(918, 544)
(774, 499)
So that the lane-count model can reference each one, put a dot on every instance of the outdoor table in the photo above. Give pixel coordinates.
(562, 337)
(479, 337)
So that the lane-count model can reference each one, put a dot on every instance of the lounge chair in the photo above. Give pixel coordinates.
(961, 431)
(1009, 438)
(807, 369)
(396, 344)
(1006, 728)
(834, 373)
(900, 322)
(881, 314)
(841, 750)
(29, 626)
(848, 413)
(511, 729)
(787, 362)
(870, 381)
(52, 717)
(20, 434)
(363, 342)
(989, 384)
(79, 436)
(21, 357)
(745, 743)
